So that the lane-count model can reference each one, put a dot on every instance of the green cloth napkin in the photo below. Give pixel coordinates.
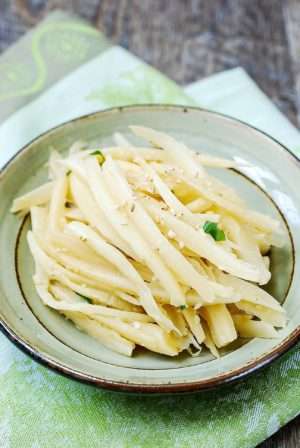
(59, 71)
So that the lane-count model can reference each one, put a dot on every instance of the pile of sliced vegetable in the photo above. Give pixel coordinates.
(142, 246)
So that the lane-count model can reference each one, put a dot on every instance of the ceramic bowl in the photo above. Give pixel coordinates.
(269, 181)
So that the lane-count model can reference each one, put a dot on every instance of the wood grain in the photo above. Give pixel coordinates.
(190, 39)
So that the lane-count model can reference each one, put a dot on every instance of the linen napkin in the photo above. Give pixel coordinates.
(61, 70)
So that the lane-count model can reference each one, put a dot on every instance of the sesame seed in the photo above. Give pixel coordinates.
(171, 234)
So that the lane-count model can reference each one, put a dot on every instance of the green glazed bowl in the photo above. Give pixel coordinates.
(269, 180)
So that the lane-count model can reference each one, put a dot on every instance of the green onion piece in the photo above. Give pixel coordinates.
(182, 307)
(213, 230)
(100, 156)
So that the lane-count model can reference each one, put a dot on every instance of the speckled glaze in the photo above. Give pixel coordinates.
(269, 181)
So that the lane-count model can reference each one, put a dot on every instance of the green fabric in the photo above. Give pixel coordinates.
(40, 409)
(43, 56)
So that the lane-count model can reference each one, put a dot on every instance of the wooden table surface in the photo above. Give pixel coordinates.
(190, 39)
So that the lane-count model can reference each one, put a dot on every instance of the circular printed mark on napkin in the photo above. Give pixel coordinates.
(143, 85)
(65, 41)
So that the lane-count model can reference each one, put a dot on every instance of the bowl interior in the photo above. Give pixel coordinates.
(269, 181)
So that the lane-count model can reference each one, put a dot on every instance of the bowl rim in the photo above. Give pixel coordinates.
(122, 386)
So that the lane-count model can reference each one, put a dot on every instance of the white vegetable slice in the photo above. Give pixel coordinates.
(107, 251)
(150, 336)
(199, 205)
(208, 342)
(97, 296)
(108, 279)
(269, 315)
(57, 204)
(39, 216)
(66, 243)
(94, 215)
(248, 291)
(77, 283)
(109, 338)
(128, 152)
(176, 316)
(85, 308)
(253, 328)
(246, 246)
(192, 298)
(129, 298)
(193, 320)
(39, 196)
(220, 324)
(177, 151)
(74, 214)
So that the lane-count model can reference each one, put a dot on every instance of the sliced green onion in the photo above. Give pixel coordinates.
(212, 229)
(100, 156)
